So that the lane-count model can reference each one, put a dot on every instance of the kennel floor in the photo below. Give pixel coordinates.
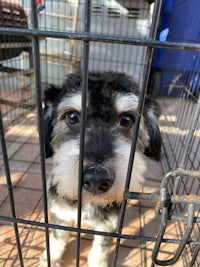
(24, 161)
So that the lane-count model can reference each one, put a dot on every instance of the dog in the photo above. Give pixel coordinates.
(111, 110)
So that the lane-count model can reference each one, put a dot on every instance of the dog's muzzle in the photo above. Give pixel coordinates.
(97, 180)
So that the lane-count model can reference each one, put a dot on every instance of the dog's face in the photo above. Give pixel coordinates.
(111, 109)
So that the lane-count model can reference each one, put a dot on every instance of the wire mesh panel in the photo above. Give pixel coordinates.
(181, 150)
(71, 36)
(17, 96)
(177, 74)
(134, 19)
(175, 133)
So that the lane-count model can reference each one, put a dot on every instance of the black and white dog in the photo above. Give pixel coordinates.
(111, 109)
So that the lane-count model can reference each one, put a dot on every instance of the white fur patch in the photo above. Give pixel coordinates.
(71, 102)
(126, 102)
(65, 172)
(121, 165)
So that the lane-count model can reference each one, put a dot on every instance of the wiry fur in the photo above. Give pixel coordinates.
(110, 113)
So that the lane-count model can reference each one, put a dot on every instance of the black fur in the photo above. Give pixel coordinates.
(155, 139)
(50, 95)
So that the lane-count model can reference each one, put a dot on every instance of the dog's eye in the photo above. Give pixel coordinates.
(127, 120)
(72, 117)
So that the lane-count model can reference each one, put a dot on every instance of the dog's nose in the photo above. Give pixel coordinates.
(97, 181)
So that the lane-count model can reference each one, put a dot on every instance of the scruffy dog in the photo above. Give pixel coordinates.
(111, 107)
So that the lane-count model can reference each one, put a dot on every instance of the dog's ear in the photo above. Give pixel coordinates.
(50, 95)
(152, 113)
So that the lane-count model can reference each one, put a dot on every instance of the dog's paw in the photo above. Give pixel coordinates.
(97, 261)
(97, 264)
(43, 261)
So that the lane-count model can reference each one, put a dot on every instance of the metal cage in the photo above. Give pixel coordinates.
(70, 35)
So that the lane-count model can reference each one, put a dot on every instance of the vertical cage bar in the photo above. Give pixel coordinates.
(188, 143)
(189, 227)
(10, 190)
(194, 256)
(149, 54)
(161, 232)
(85, 67)
(190, 135)
(37, 74)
